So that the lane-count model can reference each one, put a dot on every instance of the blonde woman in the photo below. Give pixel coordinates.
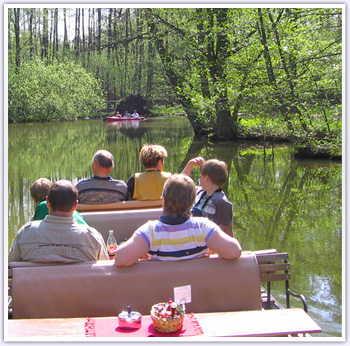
(148, 185)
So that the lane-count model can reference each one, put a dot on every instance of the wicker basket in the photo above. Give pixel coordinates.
(166, 325)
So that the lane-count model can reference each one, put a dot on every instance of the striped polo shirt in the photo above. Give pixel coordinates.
(177, 238)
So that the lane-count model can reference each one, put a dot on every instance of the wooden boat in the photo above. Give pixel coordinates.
(241, 285)
(116, 118)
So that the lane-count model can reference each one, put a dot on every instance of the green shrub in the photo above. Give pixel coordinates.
(59, 90)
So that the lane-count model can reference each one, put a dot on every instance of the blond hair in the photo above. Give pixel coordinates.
(179, 194)
(151, 154)
(40, 189)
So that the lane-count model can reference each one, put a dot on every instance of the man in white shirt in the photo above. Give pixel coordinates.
(59, 237)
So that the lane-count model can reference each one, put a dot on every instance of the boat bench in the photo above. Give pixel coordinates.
(123, 222)
(125, 205)
(97, 289)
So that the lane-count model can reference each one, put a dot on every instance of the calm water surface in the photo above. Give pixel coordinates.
(291, 205)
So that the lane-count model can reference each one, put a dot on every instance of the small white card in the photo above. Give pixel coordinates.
(182, 294)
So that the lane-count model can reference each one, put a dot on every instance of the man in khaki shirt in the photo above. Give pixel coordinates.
(59, 237)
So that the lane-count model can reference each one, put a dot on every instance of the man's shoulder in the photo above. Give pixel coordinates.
(83, 181)
(117, 181)
(91, 182)
(32, 223)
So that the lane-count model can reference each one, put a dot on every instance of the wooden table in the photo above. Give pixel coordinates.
(265, 323)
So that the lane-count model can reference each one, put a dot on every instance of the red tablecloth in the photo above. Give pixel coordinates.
(100, 327)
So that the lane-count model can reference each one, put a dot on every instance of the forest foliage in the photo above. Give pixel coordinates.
(235, 72)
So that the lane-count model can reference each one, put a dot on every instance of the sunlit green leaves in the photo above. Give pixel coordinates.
(59, 91)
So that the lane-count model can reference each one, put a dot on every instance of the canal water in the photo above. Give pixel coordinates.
(293, 206)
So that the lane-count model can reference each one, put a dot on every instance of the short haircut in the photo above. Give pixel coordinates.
(104, 159)
(151, 154)
(62, 196)
(216, 170)
(179, 194)
(40, 188)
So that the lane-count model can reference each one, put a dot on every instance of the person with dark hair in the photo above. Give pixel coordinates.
(211, 201)
(148, 185)
(59, 237)
(102, 188)
(39, 190)
(177, 235)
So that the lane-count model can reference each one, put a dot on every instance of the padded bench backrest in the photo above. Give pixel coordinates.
(125, 205)
(123, 223)
(96, 289)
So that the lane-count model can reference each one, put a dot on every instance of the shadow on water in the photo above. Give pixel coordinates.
(282, 203)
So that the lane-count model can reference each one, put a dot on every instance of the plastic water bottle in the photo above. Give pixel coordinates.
(111, 244)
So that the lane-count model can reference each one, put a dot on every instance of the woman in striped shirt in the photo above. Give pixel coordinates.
(177, 235)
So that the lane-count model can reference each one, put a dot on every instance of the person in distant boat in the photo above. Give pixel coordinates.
(117, 114)
(59, 237)
(177, 235)
(135, 114)
(39, 190)
(149, 184)
(211, 201)
(127, 114)
(102, 188)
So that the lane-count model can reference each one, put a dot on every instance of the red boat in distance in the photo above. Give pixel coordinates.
(116, 118)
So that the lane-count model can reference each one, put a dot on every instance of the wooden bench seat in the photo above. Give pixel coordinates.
(125, 205)
(269, 270)
(102, 289)
(211, 270)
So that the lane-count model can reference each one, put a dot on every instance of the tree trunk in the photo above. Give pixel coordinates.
(293, 102)
(77, 32)
(99, 29)
(218, 53)
(65, 36)
(270, 71)
(45, 39)
(55, 34)
(82, 32)
(17, 35)
(31, 42)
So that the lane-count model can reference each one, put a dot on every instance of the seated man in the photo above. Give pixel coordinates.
(102, 188)
(59, 237)
(149, 184)
(177, 235)
(135, 114)
(39, 190)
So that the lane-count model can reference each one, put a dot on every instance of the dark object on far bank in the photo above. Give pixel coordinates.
(132, 102)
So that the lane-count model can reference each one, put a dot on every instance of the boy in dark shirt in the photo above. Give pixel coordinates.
(211, 201)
